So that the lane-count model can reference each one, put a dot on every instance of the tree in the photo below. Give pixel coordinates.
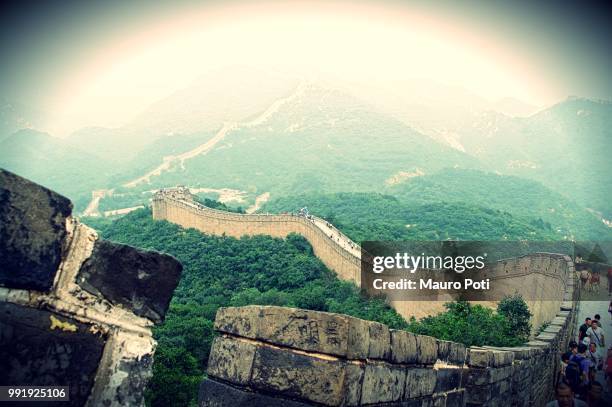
(517, 313)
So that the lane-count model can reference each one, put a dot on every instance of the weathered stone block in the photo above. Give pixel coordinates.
(553, 329)
(231, 360)
(382, 383)
(448, 379)
(380, 341)
(32, 233)
(482, 376)
(520, 352)
(480, 357)
(443, 349)
(420, 382)
(353, 379)
(481, 394)
(41, 348)
(139, 280)
(457, 353)
(546, 337)
(315, 331)
(427, 349)
(403, 347)
(215, 394)
(295, 375)
(455, 398)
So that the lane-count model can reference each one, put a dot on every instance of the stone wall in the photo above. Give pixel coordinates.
(267, 356)
(535, 276)
(174, 206)
(75, 310)
(275, 356)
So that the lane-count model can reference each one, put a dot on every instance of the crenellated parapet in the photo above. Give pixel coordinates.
(537, 275)
(75, 310)
(169, 205)
(310, 357)
(276, 356)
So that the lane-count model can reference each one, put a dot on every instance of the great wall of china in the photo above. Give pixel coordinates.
(273, 356)
(536, 275)
(81, 309)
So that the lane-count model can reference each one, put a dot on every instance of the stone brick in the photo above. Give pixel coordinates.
(231, 360)
(447, 379)
(353, 379)
(457, 353)
(520, 352)
(480, 357)
(443, 349)
(314, 331)
(33, 231)
(240, 321)
(42, 348)
(546, 337)
(380, 341)
(427, 349)
(300, 376)
(482, 376)
(455, 398)
(382, 383)
(142, 281)
(215, 394)
(403, 347)
(481, 394)
(553, 329)
(420, 382)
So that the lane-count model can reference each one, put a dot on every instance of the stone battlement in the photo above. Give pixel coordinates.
(276, 356)
(75, 310)
(188, 213)
(537, 275)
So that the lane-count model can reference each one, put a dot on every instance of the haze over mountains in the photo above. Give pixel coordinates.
(259, 133)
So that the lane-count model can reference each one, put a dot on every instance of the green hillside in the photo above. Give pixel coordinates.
(566, 147)
(223, 271)
(518, 196)
(372, 216)
(323, 140)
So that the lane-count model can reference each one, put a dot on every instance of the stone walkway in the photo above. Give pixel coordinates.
(338, 237)
(589, 309)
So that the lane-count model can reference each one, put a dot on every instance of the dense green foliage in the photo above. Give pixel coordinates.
(475, 325)
(211, 203)
(517, 313)
(523, 198)
(371, 216)
(223, 271)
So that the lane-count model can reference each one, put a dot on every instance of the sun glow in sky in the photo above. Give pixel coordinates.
(364, 42)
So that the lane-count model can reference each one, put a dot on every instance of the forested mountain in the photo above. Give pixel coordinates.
(373, 216)
(285, 135)
(320, 139)
(566, 147)
(224, 271)
(228, 95)
(518, 196)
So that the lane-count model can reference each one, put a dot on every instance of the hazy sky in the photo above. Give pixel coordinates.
(100, 63)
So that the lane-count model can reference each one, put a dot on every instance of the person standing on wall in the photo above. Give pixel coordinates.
(564, 397)
(583, 329)
(596, 336)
